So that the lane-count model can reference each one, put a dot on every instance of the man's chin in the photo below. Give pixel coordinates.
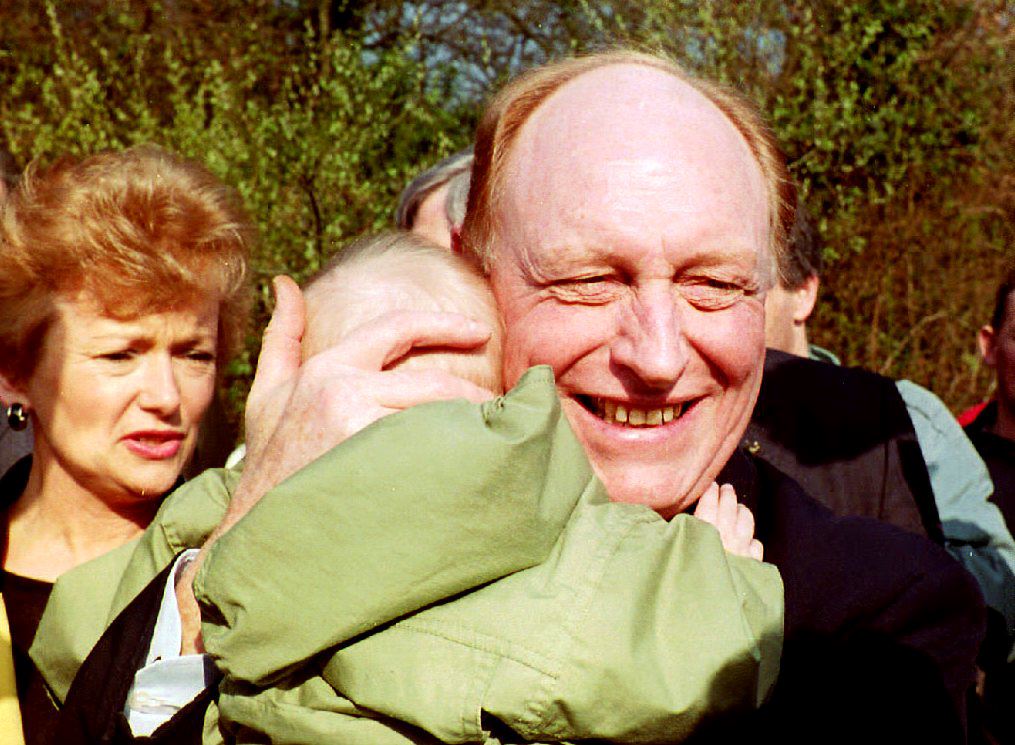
(663, 489)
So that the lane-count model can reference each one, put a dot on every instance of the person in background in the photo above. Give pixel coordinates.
(123, 290)
(215, 438)
(856, 451)
(992, 432)
(433, 204)
(866, 412)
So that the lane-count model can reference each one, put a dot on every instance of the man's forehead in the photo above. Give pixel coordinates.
(624, 131)
(633, 155)
(630, 99)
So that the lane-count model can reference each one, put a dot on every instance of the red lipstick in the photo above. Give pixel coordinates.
(154, 444)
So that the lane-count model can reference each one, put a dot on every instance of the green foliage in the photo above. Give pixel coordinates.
(896, 116)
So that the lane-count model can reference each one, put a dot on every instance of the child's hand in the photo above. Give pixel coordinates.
(718, 507)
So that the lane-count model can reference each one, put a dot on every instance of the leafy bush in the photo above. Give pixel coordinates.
(896, 116)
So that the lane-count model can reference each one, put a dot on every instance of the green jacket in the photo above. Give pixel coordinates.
(623, 626)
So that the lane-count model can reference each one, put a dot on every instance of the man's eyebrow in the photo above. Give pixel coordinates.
(549, 263)
(715, 249)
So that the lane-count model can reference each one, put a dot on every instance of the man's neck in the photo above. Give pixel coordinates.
(798, 343)
(793, 343)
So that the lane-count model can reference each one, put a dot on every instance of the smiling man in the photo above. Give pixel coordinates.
(633, 260)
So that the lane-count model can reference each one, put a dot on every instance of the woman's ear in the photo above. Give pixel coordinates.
(10, 393)
(986, 340)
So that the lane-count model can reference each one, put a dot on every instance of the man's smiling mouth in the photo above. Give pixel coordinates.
(616, 412)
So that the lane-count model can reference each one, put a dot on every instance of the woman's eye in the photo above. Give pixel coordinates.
(120, 356)
(200, 356)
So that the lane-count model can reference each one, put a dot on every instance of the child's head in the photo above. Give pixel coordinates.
(403, 271)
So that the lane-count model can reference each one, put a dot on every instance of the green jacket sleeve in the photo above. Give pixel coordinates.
(418, 507)
(633, 629)
(87, 598)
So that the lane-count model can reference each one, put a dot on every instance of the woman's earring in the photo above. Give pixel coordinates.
(17, 417)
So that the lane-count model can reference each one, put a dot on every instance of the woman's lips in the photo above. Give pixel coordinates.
(154, 445)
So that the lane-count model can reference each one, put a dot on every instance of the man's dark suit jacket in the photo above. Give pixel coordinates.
(844, 434)
(882, 626)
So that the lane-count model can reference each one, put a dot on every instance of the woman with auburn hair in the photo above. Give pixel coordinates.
(123, 289)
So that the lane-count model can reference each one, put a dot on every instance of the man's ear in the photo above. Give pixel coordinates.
(805, 296)
(986, 341)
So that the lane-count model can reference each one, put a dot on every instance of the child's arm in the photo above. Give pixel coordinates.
(635, 629)
(718, 507)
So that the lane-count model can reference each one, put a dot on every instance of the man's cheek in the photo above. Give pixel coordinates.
(734, 341)
(557, 335)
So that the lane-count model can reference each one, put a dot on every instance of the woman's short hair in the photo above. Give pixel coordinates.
(392, 271)
(140, 230)
(507, 113)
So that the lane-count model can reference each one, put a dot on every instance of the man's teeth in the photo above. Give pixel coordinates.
(611, 411)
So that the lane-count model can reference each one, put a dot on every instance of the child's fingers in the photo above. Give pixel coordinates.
(708, 505)
(756, 550)
(727, 512)
(744, 530)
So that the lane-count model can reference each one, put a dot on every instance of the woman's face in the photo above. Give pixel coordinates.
(117, 403)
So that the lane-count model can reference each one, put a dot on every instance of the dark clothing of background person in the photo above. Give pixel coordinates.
(882, 629)
(999, 455)
(845, 436)
(25, 599)
(999, 687)
(14, 445)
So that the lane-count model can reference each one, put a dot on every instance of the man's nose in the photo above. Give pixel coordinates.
(160, 390)
(651, 342)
